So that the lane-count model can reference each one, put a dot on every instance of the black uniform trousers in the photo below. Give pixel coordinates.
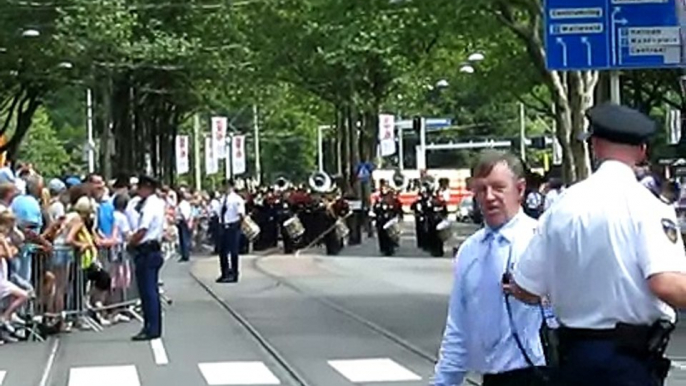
(600, 363)
(229, 245)
(148, 261)
(520, 377)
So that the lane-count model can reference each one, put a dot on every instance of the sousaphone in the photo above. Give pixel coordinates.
(321, 182)
(398, 181)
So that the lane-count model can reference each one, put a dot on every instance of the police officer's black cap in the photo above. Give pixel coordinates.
(145, 181)
(619, 124)
(228, 182)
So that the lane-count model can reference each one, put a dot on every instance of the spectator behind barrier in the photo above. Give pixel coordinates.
(16, 295)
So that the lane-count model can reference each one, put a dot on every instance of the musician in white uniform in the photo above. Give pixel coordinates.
(230, 213)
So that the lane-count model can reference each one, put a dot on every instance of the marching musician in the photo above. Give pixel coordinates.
(419, 208)
(231, 214)
(437, 212)
(386, 208)
(336, 209)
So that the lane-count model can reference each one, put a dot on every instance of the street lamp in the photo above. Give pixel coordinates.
(476, 57)
(66, 65)
(442, 83)
(30, 33)
(467, 69)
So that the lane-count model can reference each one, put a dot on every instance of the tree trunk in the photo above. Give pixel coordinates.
(573, 93)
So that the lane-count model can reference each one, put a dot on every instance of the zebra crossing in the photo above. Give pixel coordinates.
(243, 373)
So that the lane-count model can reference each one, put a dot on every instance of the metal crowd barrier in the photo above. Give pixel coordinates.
(108, 286)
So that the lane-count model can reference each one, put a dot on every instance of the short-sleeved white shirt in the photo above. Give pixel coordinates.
(152, 218)
(235, 208)
(595, 249)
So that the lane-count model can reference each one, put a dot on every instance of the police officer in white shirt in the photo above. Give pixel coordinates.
(611, 259)
(146, 248)
(488, 332)
(230, 212)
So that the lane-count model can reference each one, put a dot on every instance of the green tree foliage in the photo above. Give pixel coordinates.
(42, 147)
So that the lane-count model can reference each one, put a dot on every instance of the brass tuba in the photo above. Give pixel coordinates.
(321, 182)
(398, 181)
(281, 184)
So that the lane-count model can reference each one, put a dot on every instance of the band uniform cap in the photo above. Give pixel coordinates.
(148, 181)
(619, 124)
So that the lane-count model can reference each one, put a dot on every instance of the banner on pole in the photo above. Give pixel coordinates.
(238, 154)
(211, 161)
(182, 159)
(386, 134)
(219, 136)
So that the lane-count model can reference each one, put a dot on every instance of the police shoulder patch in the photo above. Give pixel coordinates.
(671, 229)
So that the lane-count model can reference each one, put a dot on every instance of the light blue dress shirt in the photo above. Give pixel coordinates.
(478, 313)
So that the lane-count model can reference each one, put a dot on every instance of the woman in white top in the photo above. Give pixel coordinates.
(7, 288)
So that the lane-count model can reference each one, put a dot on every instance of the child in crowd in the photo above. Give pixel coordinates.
(120, 268)
(16, 295)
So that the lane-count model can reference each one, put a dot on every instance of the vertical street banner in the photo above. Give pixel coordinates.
(211, 161)
(182, 158)
(386, 134)
(219, 136)
(238, 154)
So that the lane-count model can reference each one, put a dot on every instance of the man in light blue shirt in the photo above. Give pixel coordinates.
(486, 332)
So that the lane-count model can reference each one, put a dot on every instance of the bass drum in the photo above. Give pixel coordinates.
(250, 228)
(342, 230)
(294, 228)
(392, 228)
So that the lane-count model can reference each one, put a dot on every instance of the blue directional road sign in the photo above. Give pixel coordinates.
(364, 171)
(613, 34)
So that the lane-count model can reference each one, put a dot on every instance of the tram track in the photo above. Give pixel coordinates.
(298, 378)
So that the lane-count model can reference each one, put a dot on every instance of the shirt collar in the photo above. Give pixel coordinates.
(506, 231)
(618, 170)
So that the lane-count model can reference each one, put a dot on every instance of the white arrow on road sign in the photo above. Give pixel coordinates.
(564, 50)
(584, 40)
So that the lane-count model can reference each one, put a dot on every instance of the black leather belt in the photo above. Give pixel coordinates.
(149, 246)
(231, 224)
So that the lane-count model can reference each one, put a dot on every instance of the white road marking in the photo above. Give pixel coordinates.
(48, 366)
(159, 352)
(373, 370)
(679, 365)
(104, 376)
(2, 376)
(237, 373)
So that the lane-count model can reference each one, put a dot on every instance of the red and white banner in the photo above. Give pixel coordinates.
(238, 156)
(219, 137)
(386, 134)
(211, 161)
(182, 158)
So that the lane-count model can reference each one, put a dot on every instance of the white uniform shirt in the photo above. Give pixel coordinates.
(215, 207)
(152, 219)
(235, 207)
(596, 248)
(462, 349)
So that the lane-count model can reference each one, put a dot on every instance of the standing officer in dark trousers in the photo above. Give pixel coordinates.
(146, 248)
(231, 213)
(611, 259)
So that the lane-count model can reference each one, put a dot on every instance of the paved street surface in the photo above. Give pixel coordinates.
(310, 320)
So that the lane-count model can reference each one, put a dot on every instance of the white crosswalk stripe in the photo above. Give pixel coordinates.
(237, 373)
(373, 370)
(2, 376)
(104, 376)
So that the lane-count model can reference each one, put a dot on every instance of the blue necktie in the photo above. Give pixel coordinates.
(491, 298)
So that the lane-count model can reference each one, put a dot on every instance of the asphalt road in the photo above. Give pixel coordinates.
(310, 320)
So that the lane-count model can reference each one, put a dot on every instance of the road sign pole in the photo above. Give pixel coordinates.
(401, 150)
(615, 88)
(522, 131)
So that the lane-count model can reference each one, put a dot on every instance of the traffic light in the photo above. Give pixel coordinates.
(417, 125)
(538, 143)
